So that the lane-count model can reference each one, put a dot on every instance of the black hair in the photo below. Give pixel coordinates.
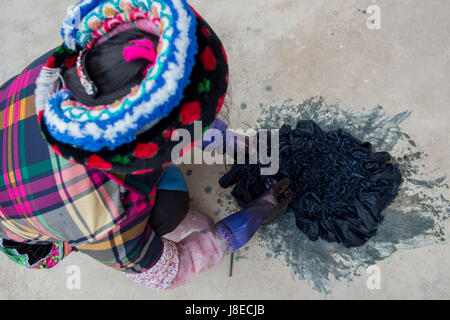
(106, 66)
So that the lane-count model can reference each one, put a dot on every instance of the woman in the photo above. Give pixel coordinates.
(86, 146)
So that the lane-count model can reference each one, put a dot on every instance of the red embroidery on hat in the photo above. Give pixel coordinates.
(168, 133)
(71, 61)
(98, 163)
(220, 104)
(145, 150)
(143, 171)
(166, 164)
(208, 59)
(190, 112)
(206, 32)
(50, 62)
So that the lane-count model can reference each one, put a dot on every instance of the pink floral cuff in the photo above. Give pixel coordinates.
(163, 273)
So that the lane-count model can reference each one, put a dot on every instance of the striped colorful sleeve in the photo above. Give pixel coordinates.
(45, 198)
(131, 245)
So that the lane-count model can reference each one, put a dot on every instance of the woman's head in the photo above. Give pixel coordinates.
(187, 82)
(109, 71)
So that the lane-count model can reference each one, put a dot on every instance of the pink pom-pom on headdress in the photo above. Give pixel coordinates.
(140, 49)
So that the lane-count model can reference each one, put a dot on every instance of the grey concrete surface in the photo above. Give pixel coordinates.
(278, 50)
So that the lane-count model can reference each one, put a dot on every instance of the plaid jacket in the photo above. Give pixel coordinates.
(46, 198)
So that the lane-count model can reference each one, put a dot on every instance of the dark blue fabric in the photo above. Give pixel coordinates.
(240, 227)
(340, 185)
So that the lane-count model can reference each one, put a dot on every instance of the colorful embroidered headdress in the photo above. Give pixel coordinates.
(186, 82)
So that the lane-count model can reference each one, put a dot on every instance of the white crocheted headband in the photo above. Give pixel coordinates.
(186, 82)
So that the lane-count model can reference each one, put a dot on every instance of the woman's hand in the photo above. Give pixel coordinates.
(277, 198)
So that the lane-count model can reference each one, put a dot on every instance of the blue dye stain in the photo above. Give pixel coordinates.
(208, 190)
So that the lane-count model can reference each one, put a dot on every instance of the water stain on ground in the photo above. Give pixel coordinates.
(415, 219)
(208, 190)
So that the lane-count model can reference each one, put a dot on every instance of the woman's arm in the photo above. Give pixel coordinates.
(204, 249)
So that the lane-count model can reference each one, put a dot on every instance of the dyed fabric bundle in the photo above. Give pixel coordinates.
(340, 186)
